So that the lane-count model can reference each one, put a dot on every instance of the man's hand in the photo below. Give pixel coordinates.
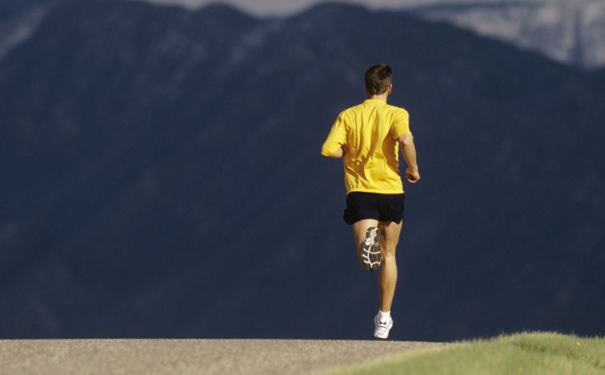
(408, 150)
(412, 175)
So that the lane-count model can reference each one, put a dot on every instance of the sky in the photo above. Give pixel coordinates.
(268, 8)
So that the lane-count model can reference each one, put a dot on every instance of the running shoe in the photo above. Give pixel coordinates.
(382, 327)
(370, 252)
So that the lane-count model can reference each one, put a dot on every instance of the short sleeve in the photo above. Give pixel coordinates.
(336, 138)
(401, 124)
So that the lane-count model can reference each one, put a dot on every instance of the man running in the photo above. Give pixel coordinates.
(368, 137)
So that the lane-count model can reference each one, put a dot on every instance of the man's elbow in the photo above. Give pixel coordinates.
(406, 140)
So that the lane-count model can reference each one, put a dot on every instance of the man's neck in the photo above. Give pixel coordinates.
(382, 97)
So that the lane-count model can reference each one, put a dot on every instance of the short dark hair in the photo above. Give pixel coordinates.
(378, 79)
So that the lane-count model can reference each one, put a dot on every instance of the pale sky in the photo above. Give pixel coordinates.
(288, 7)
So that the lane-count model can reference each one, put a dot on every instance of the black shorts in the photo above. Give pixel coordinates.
(381, 207)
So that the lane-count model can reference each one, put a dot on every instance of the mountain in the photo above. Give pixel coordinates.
(162, 178)
(564, 30)
(567, 31)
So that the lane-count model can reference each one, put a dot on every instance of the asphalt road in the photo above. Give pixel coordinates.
(184, 357)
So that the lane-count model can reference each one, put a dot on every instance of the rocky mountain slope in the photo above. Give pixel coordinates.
(567, 31)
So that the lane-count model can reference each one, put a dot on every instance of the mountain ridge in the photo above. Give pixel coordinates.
(565, 31)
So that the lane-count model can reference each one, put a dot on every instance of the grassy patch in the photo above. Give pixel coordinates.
(526, 354)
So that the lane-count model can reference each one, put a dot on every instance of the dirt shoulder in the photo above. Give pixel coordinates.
(184, 357)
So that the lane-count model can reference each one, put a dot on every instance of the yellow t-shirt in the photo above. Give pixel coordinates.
(368, 133)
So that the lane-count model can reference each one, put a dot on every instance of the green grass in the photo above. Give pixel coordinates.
(526, 354)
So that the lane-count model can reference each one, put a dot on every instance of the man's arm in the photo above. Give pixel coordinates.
(337, 154)
(408, 150)
(333, 146)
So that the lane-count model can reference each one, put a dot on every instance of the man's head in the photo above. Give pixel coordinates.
(378, 79)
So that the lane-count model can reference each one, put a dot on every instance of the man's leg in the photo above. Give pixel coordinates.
(387, 279)
(359, 231)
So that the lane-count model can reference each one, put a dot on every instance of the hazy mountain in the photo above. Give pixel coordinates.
(567, 31)
(161, 177)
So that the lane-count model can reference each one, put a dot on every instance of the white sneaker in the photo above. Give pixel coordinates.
(382, 328)
(370, 252)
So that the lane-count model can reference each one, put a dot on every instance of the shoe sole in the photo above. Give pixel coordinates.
(379, 336)
(371, 249)
(383, 335)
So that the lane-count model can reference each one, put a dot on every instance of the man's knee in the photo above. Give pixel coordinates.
(387, 253)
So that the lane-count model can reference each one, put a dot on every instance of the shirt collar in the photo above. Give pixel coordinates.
(376, 102)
